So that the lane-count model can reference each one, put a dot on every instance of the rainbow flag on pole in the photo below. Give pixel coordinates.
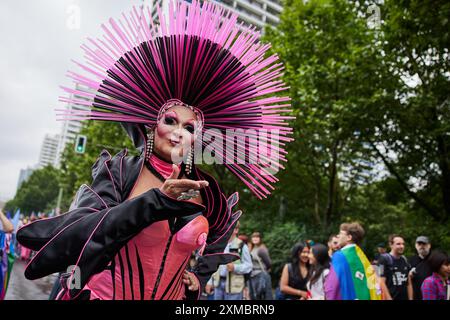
(351, 276)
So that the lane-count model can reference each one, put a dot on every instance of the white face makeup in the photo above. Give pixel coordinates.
(174, 133)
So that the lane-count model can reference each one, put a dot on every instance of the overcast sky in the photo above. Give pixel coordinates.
(38, 38)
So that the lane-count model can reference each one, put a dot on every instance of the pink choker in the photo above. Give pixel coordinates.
(164, 168)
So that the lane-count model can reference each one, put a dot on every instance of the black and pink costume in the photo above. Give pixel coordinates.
(118, 244)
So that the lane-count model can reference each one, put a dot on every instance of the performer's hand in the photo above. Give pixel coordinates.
(190, 281)
(173, 187)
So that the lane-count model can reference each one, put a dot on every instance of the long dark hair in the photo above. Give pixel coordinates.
(437, 259)
(295, 260)
(320, 253)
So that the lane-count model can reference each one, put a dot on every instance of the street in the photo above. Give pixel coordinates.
(22, 289)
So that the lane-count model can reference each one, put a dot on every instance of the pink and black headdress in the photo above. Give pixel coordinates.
(200, 56)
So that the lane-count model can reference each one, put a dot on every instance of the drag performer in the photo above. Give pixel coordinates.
(130, 234)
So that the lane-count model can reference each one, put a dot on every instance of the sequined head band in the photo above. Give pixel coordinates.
(175, 102)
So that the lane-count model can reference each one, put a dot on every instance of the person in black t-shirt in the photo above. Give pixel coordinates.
(394, 271)
(419, 264)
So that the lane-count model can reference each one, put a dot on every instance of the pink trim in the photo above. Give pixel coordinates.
(51, 240)
(229, 212)
(221, 196)
(58, 296)
(110, 175)
(224, 233)
(84, 247)
(206, 193)
(106, 206)
(142, 164)
(45, 219)
(120, 171)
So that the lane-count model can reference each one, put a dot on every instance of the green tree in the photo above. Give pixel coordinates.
(331, 67)
(369, 145)
(413, 141)
(76, 169)
(38, 193)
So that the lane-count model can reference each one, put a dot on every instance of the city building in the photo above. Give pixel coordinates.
(70, 128)
(258, 13)
(49, 151)
(24, 175)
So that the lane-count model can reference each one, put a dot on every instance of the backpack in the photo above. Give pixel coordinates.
(390, 260)
(241, 245)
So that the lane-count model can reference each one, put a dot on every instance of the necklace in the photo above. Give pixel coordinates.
(154, 171)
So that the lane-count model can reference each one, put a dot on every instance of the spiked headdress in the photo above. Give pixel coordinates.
(200, 56)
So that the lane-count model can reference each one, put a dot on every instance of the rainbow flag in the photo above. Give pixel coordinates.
(351, 276)
(7, 259)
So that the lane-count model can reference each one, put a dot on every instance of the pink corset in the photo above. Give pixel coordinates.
(152, 263)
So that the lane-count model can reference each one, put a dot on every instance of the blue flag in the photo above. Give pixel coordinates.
(15, 220)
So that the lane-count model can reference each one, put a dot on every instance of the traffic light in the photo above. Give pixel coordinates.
(80, 144)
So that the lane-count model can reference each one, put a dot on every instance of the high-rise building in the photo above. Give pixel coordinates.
(70, 128)
(24, 175)
(258, 13)
(49, 151)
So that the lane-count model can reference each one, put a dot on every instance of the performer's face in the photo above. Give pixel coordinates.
(175, 133)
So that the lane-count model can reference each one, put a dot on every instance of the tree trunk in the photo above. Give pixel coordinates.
(403, 184)
(444, 165)
(317, 202)
(331, 185)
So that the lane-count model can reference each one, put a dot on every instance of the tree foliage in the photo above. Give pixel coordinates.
(38, 194)
(76, 168)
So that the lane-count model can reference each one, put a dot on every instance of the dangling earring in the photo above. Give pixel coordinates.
(189, 161)
(150, 140)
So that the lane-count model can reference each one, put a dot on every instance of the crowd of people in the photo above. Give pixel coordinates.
(7, 227)
(339, 270)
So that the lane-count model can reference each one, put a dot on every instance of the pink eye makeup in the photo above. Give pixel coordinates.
(170, 118)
